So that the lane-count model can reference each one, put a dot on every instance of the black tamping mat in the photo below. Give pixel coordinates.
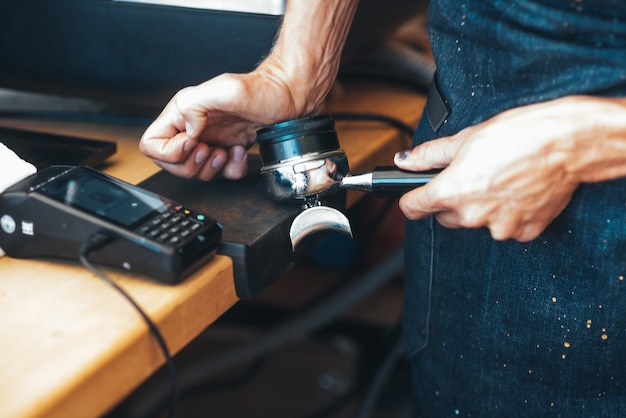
(255, 229)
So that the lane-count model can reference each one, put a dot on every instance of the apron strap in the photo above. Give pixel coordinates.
(436, 108)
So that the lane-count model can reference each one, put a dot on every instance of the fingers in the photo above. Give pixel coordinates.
(178, 140)
(188, 103)
(205, 163)
(432, 154)
(503, 222)
(166, 139)
(202, 162)
(219, 104)
(169, 149)
(420, 202)
(232, 164)
(417, 204)
(237, 165)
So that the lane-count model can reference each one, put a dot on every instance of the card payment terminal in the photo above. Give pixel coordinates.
(55, 211)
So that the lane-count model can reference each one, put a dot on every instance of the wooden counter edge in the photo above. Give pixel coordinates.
(194, 304)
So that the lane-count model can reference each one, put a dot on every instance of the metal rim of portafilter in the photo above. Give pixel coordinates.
(301, 159)
(302, 162)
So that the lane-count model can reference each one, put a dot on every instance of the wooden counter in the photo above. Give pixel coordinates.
(72, 347)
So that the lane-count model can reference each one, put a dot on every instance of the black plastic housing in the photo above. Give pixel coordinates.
(46, 227)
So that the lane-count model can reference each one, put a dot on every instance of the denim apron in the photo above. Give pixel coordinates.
(521, 329)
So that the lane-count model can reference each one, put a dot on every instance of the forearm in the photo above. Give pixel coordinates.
(308, 49)
(597, 146)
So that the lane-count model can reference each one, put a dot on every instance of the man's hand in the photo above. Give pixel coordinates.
(206, 129)
(516, 172)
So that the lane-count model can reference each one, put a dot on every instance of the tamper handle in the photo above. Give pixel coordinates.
(390, 181)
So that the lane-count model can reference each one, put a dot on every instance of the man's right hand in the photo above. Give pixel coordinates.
(207, 128)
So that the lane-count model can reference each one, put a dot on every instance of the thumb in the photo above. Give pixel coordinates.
(437, 153)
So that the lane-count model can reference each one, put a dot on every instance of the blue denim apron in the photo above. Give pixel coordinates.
(521, 329)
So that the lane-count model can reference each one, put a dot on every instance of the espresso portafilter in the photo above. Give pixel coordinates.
(302, 163)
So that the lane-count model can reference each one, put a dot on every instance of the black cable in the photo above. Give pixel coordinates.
(380, 377)
(370, 392)
(376, 117)
(226, 384)
(145, 121)
(144, 403)
(97, 241)
(335, 407)
(356, 268)
(377, 222)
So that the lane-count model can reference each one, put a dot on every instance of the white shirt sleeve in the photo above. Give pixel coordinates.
(12, 170)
